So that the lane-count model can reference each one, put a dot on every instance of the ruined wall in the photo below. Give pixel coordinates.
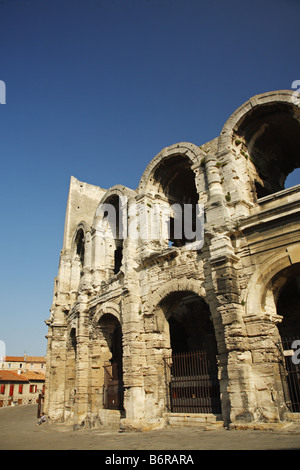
(110, 279)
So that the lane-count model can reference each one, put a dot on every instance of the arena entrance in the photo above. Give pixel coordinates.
(288, 306)
(113, 390)
(191, 371)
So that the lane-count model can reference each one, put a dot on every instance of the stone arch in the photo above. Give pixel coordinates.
(155, 318)
(183, 284)
(151, 308)
(287, 284)
(173, 179)
(110, 230)
(106, 352)
(104, 308)
(190, 322)
(183, 149)
(273, 323)
(286, 289)
(261, 282)
(238, 116)
(181, 341)
(77, 256)
(78, 243)
(263, 132)
(123, 193)
(80, 227)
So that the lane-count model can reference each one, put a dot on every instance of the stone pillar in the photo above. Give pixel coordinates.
(55, 383)
(82, 365)
(264, 341)
(217, 213)
(235, 360)
(57, 336)
(133, 364)
(85, 279)
(213, 176)
(157, 342)
(97, 256)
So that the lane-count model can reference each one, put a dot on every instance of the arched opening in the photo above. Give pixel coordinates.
(174, 181)
(73, 343)
(77, 260)
(113, 227)
(79, 246)
(269, 138)
(113, 393)
(288, 306)
(191, 370)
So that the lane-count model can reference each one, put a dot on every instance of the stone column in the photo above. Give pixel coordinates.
(85, 279)
(264, 340)
(82, 364)
(235, 360)
(55, 383)
(97, 256)
(133, 364)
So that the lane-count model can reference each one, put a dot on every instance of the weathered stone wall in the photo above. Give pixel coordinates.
(248, 242)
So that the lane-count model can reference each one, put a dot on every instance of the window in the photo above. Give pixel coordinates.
(80, 246)
(32, 388)
(21, 388)
(11, 390)
(174, 180)
(271, 138)
(2, 389)
(112, 220)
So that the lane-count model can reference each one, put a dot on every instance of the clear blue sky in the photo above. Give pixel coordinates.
(95, 89)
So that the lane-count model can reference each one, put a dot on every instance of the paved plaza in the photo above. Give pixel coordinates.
(19, 431)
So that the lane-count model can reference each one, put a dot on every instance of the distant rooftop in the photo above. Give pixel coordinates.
(24, 358)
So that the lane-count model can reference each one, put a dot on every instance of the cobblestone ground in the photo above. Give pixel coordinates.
(19, 431)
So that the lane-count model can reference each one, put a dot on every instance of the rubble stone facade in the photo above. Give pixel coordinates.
(133, 301)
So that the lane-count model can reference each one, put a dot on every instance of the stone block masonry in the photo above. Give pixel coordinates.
(125, 301)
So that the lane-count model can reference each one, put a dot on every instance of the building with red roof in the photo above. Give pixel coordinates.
(20, 386)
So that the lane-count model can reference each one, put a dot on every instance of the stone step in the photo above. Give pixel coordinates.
(193, 419)
(293, 417)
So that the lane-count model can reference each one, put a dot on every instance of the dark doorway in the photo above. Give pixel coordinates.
(288, 306)
(113, 370)
(191, 370)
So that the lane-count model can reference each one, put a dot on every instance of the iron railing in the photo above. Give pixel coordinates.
(290, 374)
(192, 383)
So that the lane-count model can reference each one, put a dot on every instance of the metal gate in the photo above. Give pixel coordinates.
(192, 383)
(113, 387)
(290, 374)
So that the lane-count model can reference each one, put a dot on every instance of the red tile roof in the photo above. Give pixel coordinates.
(35, 359)
(13, 358)
(30, 375)
(24, 359)
(10, 376)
